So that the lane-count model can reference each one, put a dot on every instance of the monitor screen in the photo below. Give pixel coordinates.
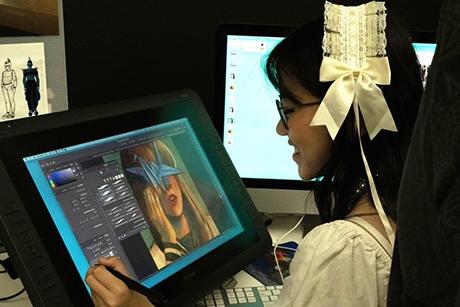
(425, 46)
(246, 98)
(425, 53)
(150, 183)
(248, 94)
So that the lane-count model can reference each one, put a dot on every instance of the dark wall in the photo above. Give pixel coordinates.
(121, 49)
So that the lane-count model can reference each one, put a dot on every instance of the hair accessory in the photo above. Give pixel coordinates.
(354, 58)
(155, 173)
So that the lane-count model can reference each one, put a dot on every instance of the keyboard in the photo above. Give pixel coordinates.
(239, 297)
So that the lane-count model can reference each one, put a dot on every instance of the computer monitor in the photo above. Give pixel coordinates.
(242, 94)
(246, 115)
(146, 180)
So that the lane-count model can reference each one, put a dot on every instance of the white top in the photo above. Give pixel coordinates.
(342, 263)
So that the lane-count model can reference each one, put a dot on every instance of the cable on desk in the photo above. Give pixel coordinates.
(8, 265)
(276, 247)
(12, 296)
(283, 236)
(4, 270)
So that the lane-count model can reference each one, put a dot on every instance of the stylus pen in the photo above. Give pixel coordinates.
(156, 298)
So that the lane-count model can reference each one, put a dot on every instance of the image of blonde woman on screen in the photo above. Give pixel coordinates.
(178, 218)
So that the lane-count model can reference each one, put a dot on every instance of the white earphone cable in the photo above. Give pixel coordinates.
(276, 247)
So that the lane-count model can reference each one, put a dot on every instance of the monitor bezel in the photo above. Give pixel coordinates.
(223, 30)
(427, 37)
(63, 129)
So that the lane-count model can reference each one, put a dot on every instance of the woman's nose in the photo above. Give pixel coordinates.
(280, 129)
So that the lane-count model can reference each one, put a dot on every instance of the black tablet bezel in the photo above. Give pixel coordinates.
(55, 131)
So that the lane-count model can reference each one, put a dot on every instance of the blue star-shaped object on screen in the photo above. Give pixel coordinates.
(155, 173)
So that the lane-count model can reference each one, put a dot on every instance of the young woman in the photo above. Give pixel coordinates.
(345, 261)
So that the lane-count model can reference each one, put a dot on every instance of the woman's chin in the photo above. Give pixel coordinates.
(306, 174)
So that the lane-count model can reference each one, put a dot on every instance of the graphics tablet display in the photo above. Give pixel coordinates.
(151, 186)
(133, 196)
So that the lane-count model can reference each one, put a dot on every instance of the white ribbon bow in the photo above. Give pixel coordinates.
(352, 82)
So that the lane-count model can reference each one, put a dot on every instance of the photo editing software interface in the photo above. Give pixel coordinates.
(250, 112)
(148, 196)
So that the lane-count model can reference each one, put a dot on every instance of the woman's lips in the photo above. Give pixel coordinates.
(295, 154)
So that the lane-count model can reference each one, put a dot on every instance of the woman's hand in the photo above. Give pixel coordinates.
(159, 218)
(107, 290)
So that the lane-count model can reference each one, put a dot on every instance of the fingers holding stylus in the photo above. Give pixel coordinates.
(98, 290)
(97, 300)
(114, 263)
(109, 291)
(107, 288)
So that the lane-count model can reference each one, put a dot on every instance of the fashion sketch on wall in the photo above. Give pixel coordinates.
(28, 18)
(23, 81)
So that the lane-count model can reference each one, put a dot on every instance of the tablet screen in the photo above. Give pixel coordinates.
(148, 196)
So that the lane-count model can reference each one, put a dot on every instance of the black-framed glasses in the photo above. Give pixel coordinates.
(285, 111)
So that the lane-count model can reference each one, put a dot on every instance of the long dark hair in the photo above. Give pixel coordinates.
(300, 56)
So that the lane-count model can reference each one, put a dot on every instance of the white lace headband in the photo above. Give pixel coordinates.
(354, 58)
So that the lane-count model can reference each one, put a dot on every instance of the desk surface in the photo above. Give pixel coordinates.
(277, 229)
(9, 287)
